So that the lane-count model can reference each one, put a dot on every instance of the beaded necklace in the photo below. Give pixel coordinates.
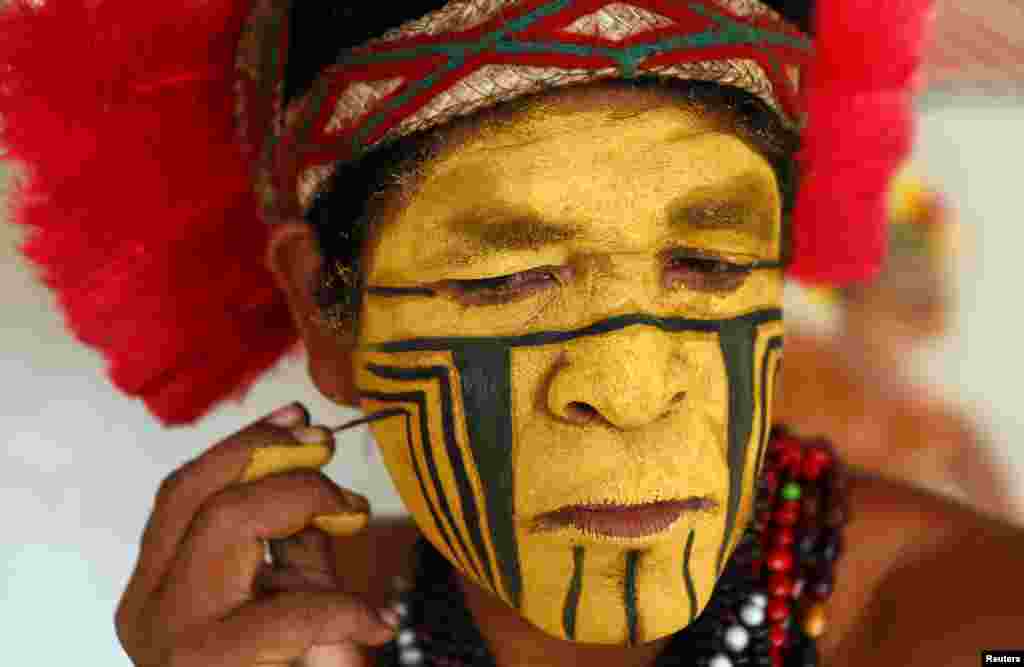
(767, 609)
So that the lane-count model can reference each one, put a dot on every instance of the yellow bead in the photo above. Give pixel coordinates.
(815, 620)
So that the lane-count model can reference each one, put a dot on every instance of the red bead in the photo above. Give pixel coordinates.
(777, 637)
(780, 585)
(770, 481)
(783, 536)
(779, 560)
(780, 442)
(778, 609)
(787, 513)
(788, 453)
(816, 460)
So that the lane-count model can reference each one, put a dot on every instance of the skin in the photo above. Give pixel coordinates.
(181, 609)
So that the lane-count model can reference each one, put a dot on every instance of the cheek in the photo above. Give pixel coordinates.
(434, 455)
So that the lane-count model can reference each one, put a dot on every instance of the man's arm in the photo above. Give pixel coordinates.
(956, 588)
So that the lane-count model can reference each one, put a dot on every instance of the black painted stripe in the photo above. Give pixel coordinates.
(420, 399)
(691, 591)
(668, 324)
(466, 498)
(774, 343)
(400, 291)
(486, 374)
(737, 341)
(572, 598)
(629, 595)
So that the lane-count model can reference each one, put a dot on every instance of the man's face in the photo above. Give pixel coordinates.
(565, 310)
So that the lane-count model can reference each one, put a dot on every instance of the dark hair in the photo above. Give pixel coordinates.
(339, 215)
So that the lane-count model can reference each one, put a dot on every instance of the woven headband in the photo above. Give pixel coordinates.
(472, 54)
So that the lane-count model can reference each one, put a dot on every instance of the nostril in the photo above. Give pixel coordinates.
(581, 412)
(678, 398)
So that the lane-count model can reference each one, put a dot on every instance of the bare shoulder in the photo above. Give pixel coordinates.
(367, 563)
(903, 547)
(886, 520)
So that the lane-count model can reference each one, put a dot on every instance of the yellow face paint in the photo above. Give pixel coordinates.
(579, 308)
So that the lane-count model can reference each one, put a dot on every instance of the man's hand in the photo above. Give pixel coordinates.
(202, 594)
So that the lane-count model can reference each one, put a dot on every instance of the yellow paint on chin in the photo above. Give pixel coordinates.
(613, 178)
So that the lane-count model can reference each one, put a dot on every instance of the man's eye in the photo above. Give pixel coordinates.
(706, 274)
(503, 289)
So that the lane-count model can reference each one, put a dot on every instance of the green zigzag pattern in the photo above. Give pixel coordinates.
(728, 32)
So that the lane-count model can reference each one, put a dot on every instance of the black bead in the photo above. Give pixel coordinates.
(803, 652)
(807, 544)
(831, 544)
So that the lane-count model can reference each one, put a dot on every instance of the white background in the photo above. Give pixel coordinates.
(82, 463)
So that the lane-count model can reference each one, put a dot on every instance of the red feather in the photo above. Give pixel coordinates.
(138, 199)
(860, 131)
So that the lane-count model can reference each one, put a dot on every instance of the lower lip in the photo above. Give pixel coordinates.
(620, 520)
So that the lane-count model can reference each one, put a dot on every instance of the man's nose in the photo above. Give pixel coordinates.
(627, 379)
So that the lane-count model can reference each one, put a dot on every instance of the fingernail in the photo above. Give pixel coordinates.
(277, 459)
(389, 616)
(356, 501)
(312, 435)
(344, 524)
(289, 416)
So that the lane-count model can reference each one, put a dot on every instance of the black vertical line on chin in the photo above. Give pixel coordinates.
(419, 398)
(774, 343)
(458, 465)
(737, 339)
(486, 372)
(691, 591)
(572, 597)
(629, 595)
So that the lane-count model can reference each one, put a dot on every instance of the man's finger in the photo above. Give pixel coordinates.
(222, 554)
(282, 629)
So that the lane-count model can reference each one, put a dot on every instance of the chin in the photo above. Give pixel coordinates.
(596, 588)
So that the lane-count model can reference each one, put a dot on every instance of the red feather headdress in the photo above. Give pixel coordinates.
(121, 119)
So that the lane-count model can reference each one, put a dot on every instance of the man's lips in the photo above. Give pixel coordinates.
(621, 520)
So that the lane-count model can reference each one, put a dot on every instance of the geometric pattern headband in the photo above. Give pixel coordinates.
(473, 54)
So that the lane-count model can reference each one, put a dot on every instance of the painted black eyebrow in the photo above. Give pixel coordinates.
(400, 291)
(736, 204)
(514, 231)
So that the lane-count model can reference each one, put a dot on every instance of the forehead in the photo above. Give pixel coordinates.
(610, 166)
